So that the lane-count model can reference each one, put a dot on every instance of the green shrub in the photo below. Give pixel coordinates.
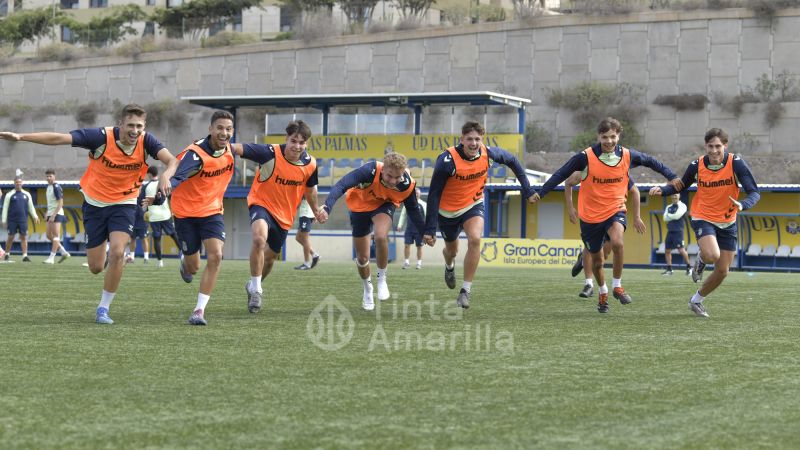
(59, 51)
(490, 13)
(683, 102)
(166, 112)
(583, 140)
(538, 138)
(455, 14)
(591, 102)
(773, 113)
(284, 36)
(228, 38)
(86, 114)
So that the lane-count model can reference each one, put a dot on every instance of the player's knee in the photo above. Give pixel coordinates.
(381, 240)
(213, 259)
(259, 242)
(474, 241)
(362, 261)
(710, 257)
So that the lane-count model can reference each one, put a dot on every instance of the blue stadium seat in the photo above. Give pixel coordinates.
(343, 162)
(499, 171)
(412, 162)
(323, 171)
(428, 162)
(357, 162)
(322, 162)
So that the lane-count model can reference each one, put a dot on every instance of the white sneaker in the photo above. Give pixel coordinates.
(367, 302)
(383, 290)
(419, 265)
(160, 264)
(49, 261)
(406, 264)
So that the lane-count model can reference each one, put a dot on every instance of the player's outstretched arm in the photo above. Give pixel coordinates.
(166, 157)
(237, 149)
(636, 206)
(573, 180)
(313, 203)
(44, 137)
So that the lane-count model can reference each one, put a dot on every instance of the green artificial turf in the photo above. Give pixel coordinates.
(547, 372)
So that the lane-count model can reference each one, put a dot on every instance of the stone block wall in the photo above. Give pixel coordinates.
(667, 52)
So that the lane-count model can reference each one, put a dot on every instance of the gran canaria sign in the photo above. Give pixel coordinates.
(420, 146)
(530, 252)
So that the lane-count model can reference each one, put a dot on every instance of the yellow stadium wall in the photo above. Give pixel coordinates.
(638, 246)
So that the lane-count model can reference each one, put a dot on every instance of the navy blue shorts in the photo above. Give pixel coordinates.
(18, 227)
(674, 240)
(60, 218)
(450, 228)
(726, 237)
(276, 236)
(362, 221)
(162, 227)
(594, 235)
(192, 231)
(305, 224)
(140, 230)
(412, 236)
(99, 223)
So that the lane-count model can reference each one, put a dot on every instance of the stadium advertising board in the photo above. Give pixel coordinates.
(368, 146)
(530, 252)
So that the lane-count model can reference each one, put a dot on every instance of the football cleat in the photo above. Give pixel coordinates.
(26, 259)
(587, 291)
(383, 290)
(578, 266)
(406, 264)
(667, 272)
(697, 271)
(197, 318)
(602, 304)
(102, 317)
(622, 296)
(64, 257)
(463, 299)
(253, 300)
(367, 302)
(48, 261)
(450, 277)
(314, 261)
(698, 309)
(303, 267)
(187, 277)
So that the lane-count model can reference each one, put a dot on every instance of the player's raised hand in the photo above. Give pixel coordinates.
(429, 240)
(677, 183)
(655, 191)
(737, 203)
(534, 198)
(9, 136)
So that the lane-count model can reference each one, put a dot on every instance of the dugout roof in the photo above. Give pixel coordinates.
(324, 102)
